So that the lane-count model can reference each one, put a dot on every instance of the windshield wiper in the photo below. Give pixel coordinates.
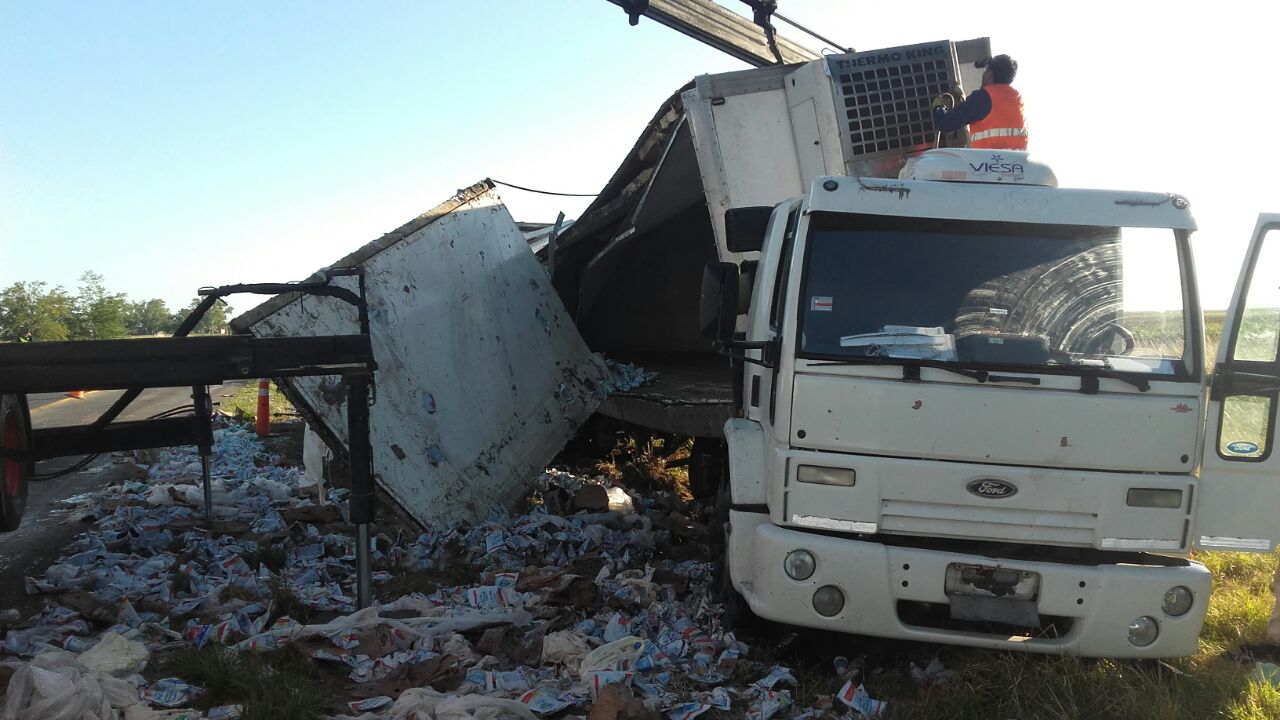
(911, 370)
(1089, 374)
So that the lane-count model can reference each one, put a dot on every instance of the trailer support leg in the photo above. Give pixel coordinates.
(204, 433)
(364, 590)
(362, 497)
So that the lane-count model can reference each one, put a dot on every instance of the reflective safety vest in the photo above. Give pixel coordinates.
(1005, 127)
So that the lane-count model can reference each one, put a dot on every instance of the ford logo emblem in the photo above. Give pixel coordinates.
(992, 488)
(1242, 447)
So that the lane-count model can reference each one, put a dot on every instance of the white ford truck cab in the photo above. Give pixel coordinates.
(976, 411)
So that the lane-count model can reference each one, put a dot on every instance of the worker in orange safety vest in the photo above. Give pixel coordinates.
(992, 112)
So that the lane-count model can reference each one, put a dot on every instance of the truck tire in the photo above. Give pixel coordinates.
(708, 468)
(15, 435)
(736, 614)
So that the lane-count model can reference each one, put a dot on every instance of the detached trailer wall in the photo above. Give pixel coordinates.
(481, 378)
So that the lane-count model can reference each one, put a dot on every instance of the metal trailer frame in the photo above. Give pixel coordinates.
(197, 362)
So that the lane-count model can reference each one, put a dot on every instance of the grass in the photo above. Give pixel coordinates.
(1160, 333)
(286, 603)
(283, 685)
(1156, 334)
(272, 556)
(286, 436)
(243, 405)
(1035, 688)
(648, 462)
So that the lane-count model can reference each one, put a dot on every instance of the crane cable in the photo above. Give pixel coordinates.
(542, 192)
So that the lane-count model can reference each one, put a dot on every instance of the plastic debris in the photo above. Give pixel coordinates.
(624, 377)
(621, 654)
(1267, 672)
(855, 696)
(605, 609)
(170, 693)
(372, 703)
(65, 693)
(841, 664)
(777, 675)
(565, 647)
(934, 673)
(114, 655)
(687, 711)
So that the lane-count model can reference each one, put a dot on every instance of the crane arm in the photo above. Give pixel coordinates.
(707, 22)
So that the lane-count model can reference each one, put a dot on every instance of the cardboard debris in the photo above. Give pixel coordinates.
(589, 612)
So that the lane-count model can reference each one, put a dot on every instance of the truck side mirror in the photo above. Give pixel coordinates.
(744, 227)
(718, 309)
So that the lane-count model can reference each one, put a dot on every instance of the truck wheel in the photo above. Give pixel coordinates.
(707, 468)
(737, 613)
(15, 435)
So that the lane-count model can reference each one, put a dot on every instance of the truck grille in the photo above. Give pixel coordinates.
(885, 97)
(987, 523)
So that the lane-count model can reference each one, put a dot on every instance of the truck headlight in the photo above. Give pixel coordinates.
(799, 564)
(826, 476)
(828, 601)
(1143, 631)
(1177, 601)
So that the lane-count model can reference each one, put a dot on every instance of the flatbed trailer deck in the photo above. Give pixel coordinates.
(691, 395)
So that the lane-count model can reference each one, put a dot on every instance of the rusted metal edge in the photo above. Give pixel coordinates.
(901, 190)
(248, 319)
(697, 421)
(673, 402)
(621, 187)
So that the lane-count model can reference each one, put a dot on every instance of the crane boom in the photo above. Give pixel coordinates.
(707, 22)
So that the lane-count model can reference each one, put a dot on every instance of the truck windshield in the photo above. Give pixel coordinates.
(994, 294)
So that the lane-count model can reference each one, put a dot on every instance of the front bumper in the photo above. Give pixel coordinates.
(1098, 600)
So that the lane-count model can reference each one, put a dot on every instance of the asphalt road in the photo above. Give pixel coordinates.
(44, 532)
(58, 410)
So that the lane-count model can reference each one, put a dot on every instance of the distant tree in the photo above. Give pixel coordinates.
(149, 317)
(214, 321)
(30, 311)
(99, 315)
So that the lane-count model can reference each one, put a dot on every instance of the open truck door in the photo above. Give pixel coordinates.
(1239, 490)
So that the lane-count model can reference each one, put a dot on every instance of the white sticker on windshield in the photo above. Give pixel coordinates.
(820, 303)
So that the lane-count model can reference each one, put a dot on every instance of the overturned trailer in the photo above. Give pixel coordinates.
(487, 363)
(629, 271)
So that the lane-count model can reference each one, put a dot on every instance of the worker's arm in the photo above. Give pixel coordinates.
(972, 109)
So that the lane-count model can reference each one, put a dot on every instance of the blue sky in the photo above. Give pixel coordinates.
(174, 145)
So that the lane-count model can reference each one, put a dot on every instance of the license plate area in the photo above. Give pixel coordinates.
(992, 594)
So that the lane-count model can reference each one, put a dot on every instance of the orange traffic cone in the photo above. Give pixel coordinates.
(76, 394)
(263, 424)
